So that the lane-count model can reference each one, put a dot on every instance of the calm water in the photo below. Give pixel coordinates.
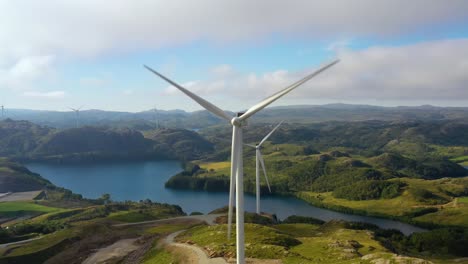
(141, 180)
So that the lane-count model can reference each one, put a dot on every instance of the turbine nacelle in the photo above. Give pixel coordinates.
(237, 121)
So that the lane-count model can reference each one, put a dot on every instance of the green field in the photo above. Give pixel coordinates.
(11, 209)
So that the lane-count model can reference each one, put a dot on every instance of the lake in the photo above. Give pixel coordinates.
(145, 179)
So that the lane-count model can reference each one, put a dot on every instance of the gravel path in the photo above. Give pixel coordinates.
(120, 248)
(19, 196)
(209, 219)
(19, 242)
(198, 255)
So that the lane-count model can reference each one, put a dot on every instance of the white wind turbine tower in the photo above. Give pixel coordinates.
(260, 161)
(77, 114)
(156, 117)
(237, 173)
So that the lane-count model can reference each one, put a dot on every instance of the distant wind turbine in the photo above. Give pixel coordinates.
(3, 109)
(156, 117)
(259, 160)
(77, 114)
(238, 122)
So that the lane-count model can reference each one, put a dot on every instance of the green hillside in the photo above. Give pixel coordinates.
(16, 178)
(23, 140)
(184, 144)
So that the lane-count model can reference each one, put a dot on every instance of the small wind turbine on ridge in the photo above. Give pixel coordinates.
(77, 114)
(260, 161)
(156, 117)
(237, 169)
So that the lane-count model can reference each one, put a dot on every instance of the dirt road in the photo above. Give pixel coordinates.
(19, 196)
(119, 249)
(197, 255)
(209, 219)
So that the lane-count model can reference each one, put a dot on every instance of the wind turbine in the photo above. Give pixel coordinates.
(259, 160)
(77, 113)
(156, 117)
(237, 122)
(3, 109)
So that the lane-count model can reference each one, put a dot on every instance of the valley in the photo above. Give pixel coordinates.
(362, 191)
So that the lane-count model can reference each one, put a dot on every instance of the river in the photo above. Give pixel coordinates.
(145, 180)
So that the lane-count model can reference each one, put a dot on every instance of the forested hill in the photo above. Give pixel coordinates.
(418, 139)
(184, 143)
(25, 140)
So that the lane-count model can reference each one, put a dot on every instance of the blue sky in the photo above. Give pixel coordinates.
(232, 53)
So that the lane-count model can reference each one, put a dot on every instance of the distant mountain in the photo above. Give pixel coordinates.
(152, 119)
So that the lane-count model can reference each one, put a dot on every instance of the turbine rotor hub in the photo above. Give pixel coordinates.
(235, 121)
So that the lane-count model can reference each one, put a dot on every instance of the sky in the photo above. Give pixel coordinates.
(60, 54)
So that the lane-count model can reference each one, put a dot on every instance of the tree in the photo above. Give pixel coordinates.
(106, 198)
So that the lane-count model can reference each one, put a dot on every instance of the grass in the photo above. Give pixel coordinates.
(130, 216)
(166, 229)
(453, 214)
(298, 230)
(158, 255)
(395, 207)
(260, 241)
(11, 209)
(215, 165)
(139, 215)
(463, 200)
(43, 243)
(406, 203)
(292, 243)
(335, 247)
(460, 159)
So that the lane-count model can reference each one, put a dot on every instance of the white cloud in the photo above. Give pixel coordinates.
(223, 70)
(339, 45)
(45, 95)
(89, 28)
(26, 70)
(425, 71)
(36, 35)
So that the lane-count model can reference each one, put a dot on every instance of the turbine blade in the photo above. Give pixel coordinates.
(262, 162)
(207, 105)
(254, 109)
(250, 145)
(73, 109)
(269, 134)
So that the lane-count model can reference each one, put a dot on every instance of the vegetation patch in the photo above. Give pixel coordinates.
(292, 219)
(261, 241)
(13, 209)
(157, 255)
(368, 190)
